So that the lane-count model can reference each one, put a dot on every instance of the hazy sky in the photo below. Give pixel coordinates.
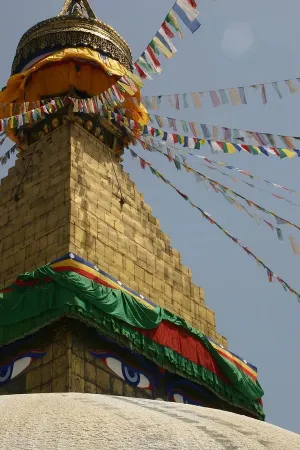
(239, 43)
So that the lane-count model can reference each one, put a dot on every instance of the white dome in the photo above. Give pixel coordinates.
(98, 422)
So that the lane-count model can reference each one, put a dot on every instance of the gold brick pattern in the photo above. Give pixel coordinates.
(35, 229)
(69, 201)
(50, 373)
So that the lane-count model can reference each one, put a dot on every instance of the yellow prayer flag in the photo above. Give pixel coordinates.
(295, 247)
(163, 48)
(235, 97)
(196, 99)
(126, 88)
(230, 147)
(289, 153)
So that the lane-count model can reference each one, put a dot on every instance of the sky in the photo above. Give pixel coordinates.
(238, 44)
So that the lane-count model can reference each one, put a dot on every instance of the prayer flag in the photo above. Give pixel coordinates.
(279, 221)
(295, 247)
(159, 43)
(235, 97)
(215, 133)
(173, 21)
(279, 234)
(165, 40)
(184, 126)
(167, 30)
(263, 94)
(242, 95)
(196, 100)
(224, 97)
(185, 102)
(291, 86)
(185, 15)
(205, 130)
(276, 89)
(215, 98)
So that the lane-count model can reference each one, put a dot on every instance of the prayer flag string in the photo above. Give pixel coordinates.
(149, 62)
(226, 96)
(183, 155)
(271, 275)
(221, 133)
(227, 193)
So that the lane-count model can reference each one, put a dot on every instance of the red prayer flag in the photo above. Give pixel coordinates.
(175, 138)
(245, 147)
(140, 71)
(275, 151)
(153, 56)
(167, 30)
(270, 275)
(143, 163)
(192, 3)
(169, 156)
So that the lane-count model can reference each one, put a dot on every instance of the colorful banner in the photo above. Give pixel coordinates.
(183, 155)
(32, 116)
(171, 149)
(229, 195)
(218, 97)
(94, 105)
(148, 63)
(279, 197)
(246, 173)
(194, 143)
(271, 275)
(113, 97)
(218, 133)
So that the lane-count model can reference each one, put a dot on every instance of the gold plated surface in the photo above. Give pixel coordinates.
(71, 30)
(77, 7)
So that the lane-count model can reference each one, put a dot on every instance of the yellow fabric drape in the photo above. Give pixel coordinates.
(17, 84)
(82, 68)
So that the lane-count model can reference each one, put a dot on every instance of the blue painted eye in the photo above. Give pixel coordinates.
(5, 373)
(127, 373)
(16, 367)
(131, 375)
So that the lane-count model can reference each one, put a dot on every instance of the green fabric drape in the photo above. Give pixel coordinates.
(28, 308)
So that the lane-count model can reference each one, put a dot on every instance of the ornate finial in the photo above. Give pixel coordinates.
(78, 8)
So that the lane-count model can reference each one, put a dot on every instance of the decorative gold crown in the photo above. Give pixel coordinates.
(75, 26)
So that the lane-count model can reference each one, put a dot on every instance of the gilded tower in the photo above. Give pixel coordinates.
(94, 298)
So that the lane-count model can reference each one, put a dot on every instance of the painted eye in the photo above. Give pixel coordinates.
(127, 373)
(5, 373)
(178, 398)
(15, 368)
(181, 398)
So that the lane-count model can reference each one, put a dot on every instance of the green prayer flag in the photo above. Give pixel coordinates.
(198, 144)
(177, 163)
(224, 146)
(154, 48)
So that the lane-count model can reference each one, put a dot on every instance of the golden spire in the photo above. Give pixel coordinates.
(79, 8)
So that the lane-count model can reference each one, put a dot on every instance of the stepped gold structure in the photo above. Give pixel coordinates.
(94, 298)
(70, 202)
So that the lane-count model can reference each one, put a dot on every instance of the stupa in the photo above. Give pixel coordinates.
(94, 299)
